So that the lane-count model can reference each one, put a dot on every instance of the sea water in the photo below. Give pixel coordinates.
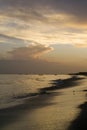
(14, 85)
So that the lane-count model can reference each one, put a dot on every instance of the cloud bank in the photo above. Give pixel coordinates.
(33, 51)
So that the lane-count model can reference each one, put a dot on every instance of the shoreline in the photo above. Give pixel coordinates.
(45, 98)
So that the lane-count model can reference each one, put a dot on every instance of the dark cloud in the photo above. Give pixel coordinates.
(34, 67)
(28, 9)
(78, 8)
(22, 9)
(72, 7)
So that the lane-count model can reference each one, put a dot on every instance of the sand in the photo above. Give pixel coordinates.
(52, 108)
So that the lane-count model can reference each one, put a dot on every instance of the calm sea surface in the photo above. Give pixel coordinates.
(18, 85)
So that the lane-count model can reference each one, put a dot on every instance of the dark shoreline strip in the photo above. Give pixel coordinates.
(57, 84)
(80, 123)
(61, 84)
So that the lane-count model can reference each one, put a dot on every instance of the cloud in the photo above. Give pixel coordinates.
(25, 8)
(48, 22)
(31, 52)
(43, 21)
(9, 42)
(3, 36)
(38, 10)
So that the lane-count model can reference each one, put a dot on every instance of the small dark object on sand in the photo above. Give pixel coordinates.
(73, 92)
(43, 92)
(85, 90)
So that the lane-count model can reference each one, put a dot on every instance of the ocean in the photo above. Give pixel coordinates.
(16, 85)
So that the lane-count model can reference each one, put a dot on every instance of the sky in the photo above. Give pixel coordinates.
(43, 36)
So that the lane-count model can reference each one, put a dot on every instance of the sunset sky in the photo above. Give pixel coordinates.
(43, 36)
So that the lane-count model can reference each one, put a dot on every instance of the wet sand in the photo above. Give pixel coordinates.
(80, 123)
(57, 107)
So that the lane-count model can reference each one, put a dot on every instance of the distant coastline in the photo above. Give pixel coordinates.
(28, 73)
(80, 73)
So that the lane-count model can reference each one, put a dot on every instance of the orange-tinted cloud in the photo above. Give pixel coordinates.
(32, 51)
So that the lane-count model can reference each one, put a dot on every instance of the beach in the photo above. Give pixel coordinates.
(61, 106)
(43, 64)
